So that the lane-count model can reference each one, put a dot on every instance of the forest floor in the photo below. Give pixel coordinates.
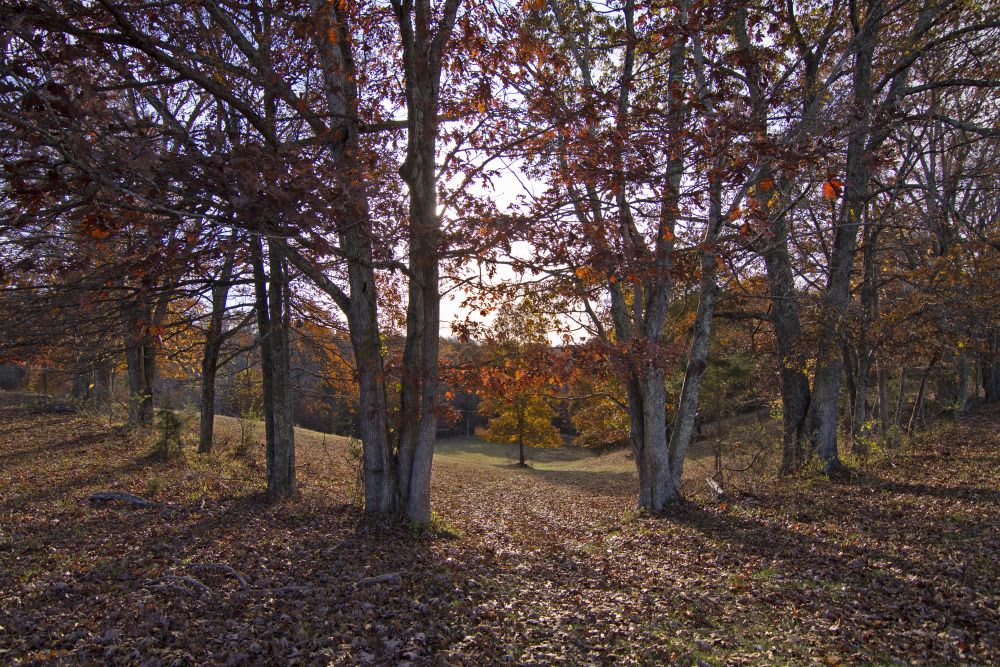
(535, 566)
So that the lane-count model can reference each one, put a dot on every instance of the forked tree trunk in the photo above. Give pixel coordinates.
(354, 230)
(271, 293)
(697, 359)
(829, 360)
(423, 49)
(796, 395)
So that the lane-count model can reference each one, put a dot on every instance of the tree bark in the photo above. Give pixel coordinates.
(990, 365)
(786, 322)
(423, 47)
(796, 396)
(210, 358)
(962, 405)
(883, 401)
(829, 361)
(263, 346)
(697, 360)
(102, 385)
(140, 363)
(860, 424)
(918, 404)
(281, 476)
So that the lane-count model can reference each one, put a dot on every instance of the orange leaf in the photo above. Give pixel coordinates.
(737, 212)
(832, 188)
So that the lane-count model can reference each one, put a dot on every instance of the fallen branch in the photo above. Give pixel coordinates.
(107, 496)
(393, 578)
(172, 581)
(718, 493)
(282, 590)
(225, 568)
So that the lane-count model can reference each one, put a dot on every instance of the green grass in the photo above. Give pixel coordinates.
(470, 450)
(480, 452)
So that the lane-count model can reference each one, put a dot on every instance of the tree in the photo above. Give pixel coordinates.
(515, 372)
(524, 420)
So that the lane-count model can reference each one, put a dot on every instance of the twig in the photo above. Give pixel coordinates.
(172, 581)
(393, 578)
(281, 590)
(106, 496)
(225, 568)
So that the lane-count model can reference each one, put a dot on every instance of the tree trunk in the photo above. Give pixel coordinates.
(900, 399)
(263, 346)
(210, 358)
(657, 486)
(785, 320)
(423, 48)
(281, 476)
(883, 401)
(918, 404)
(80, 389)
(962, 404)
(829, 361)
(102, 385)
(860, 423)
(990, 365)
(138, 356)
(697, 360)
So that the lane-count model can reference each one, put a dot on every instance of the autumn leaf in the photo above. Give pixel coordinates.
(832, 188)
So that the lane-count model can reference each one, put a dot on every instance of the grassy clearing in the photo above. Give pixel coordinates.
(549, 565)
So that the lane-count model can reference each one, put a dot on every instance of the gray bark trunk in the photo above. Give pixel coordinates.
(990, 365)
(210, 359)
(786, 322)
(784, 313)
(883, 401)
(263, 347)
(355, 235)
(281, 475)
(687, 404)
(140, 363)
(829, 361)
(102, 385)
(962, 404)
(423, 47)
